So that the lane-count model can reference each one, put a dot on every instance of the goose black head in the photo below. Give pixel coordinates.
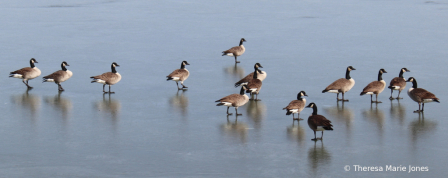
(350, 68)
(311, 105)
(32, 60)
(382, 71)
(65, 64)
(404, 69)
(114, 64)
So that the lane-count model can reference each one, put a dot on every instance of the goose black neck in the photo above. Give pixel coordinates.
(314, 110)
(32, 64)
(241, 42)
(113, 69)
(380, 76)
(347, 74)
(182, 66)
(63, 67)
(255, 74)
(401, 74)
(242, 91)
(414, 83)
(299, 97)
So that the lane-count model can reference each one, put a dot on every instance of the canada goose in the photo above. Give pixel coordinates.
(27, 73)
(109, 78)
(59, 76)
(296, 106)
(254, 86)
(260, 75)
(179, 75)
(235, 51)
(420, 95)
(398, 83)
(318, 122)
(234, 100)
(375, 87)
(341, 85)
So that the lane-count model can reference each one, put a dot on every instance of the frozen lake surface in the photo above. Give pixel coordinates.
(149, 129)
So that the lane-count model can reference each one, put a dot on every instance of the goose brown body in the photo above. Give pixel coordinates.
(108, 78)
(27, 73)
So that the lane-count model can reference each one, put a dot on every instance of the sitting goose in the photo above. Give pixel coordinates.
(296, 106)
(27, 73)
(420, 95)
(341, 85)
(235, 51)
(108, 78)
(375, 87)
(318, 122)
(398, 83)
(254, 86)
(261, 76)
(234, 100)
(59, 76)
(179, 75)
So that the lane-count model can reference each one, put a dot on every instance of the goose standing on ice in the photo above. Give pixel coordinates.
(398, 83)
(420, 95)
(179, 75)
(27, 73)
(341, 85)
(59, 76)
(108, 78)
(235, 51)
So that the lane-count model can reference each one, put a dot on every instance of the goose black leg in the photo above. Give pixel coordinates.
(228, 111)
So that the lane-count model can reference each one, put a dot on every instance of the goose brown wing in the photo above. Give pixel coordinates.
(338, 84)
(397, 81)
(373, 86)
(254, 83)
(56, 74)
(424, 94)
(295, 104)
(178, 73)
(235, 49)
(319, 120)
(22, 71)
(230, 98)
(245, 79)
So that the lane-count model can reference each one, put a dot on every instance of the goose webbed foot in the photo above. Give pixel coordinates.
(239, 114)
(257, 99)
(297, 119)
(315, 139)
(398, 98)
(343, 100)
(377, 102)
(392, 98)
(110, 92)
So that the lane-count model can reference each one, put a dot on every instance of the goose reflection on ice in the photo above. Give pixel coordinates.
(420, 128)
(29, 102)
(375, 115)
(398, 111)
(341, 113)
(236, 130)
(236, 72)
(256, 111)
(180, 103)
(296, 133)
(109, 106)
(318, 157)
(62, 104)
